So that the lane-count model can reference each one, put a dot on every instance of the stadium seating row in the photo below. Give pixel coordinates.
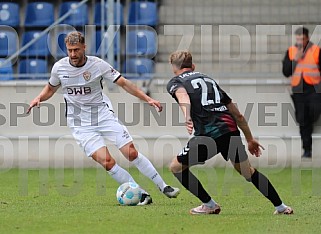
(137, 68)
(41, 14)
(138, 43)
(34, 60)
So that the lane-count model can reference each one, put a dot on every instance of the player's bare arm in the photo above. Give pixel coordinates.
(185, 104)
(253, 145)
(47, 92)
(131, 88)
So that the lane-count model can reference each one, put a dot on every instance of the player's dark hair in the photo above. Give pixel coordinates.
(181, 59)
(302, 31)
(74, 38)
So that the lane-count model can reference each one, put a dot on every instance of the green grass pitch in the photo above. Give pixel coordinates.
(83, 201)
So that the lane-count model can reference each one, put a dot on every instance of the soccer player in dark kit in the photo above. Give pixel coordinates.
(216, 120)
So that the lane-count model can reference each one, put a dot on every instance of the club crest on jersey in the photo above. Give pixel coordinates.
(86, 75)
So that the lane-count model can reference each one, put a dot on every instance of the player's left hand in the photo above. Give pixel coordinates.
(155, 104)
(34, 102)
(255, 147)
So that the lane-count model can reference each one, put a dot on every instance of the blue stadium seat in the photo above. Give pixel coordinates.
(99, 43)
(141, 42)
(118, 14)
(39, 48)
(139, 68)
(79, 17)
(6, 71)
(33, 67)
(61, 47)
(8, 43)
(39, 14)
(9, 14)
(143, 13)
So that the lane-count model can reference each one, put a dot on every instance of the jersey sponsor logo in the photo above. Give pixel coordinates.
(65, 76)
(221, 108)
(86, 75)
(79, 90)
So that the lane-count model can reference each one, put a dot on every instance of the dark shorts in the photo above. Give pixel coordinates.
(201, 148)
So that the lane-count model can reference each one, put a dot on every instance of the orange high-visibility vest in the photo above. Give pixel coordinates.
(307, 67)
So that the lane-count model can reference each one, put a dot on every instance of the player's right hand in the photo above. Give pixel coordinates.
(34, 102)
(189, 126)
(156, 104)
(255, 147)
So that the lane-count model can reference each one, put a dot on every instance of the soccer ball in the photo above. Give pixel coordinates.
(129, 194)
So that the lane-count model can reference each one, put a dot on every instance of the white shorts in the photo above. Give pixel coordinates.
(92, 138)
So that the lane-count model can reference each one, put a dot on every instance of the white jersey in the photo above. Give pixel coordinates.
(86, 105)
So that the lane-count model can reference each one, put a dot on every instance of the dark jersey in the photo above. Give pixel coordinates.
(208, 104)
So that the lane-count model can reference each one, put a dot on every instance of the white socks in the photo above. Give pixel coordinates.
(120, 175)
(210, 204)
(281, 207)
(148, 170)
(144, 166)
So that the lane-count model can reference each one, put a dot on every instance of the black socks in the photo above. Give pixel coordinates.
(265, 187)
(191, 183)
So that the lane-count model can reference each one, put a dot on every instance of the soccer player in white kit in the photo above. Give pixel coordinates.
(90, 116)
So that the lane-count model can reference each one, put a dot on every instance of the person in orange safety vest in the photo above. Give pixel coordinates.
(302, 63)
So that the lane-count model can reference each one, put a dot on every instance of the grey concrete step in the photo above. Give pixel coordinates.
(224, 44)
(235, 14)
(225, 58)
(240, 3)
(209, 41)
(163, 67)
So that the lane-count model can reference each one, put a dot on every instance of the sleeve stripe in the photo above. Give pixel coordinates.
(53, 85)
(117, 78)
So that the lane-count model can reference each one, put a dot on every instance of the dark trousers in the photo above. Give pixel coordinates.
(307, 111)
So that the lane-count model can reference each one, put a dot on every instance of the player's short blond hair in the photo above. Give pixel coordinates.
(181, 59)
(74, 37)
